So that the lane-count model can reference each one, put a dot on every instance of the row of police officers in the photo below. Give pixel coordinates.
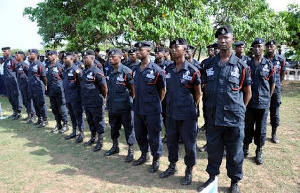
(140, 95)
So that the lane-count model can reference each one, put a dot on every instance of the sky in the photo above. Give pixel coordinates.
(19, 32)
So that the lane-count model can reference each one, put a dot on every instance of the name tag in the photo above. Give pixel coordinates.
(70, 74)
(210, 71)
(151, 76)
(235, 74)
(187, 77)
(55, 69)
(168, 75)
(121, 79)
(90, 76)
(265, 68)
(20, 68)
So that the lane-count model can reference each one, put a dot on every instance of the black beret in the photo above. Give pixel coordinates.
(125, 50)
(50, 52)
(159, 49)
(75, 52)
(107, 50)
(88, 52)
(97, 50)
(239, 43)
(68, 54)
(46, 51)
(5, 48)
(223, 30)
(178, 41)
(192, 48)
(258, 41)
(61, 52)
(115, 51)
(33, 51)
(20, 52)
(271, 42)
(210, 46)
(215, 45)
(131, 51)
(143, 44)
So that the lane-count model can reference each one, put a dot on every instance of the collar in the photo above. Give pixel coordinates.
(185, 65)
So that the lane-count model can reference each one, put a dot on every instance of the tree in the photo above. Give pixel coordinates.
(292, 18)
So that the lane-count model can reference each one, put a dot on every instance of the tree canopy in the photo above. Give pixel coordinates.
(86, 23)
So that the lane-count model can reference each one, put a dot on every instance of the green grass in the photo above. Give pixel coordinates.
(35, 160)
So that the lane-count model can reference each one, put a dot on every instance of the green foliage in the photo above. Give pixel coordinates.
(292, 18)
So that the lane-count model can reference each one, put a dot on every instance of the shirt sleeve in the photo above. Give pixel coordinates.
(129, 79)
(197, 79)
(43, 70)
(161, 80)
(100, 79)
(247, 80)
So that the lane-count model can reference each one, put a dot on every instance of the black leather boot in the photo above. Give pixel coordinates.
(203, 186)
(129, 156)
(172, 169)
(64, 128)
(114, 149)
(187, 180)
(80, 137)
(143, 159)
(259, 156)
(38, 121)
(246, 149)
(155, 165)
(72, 135)
(16, 115)
(91, 141)
(274, 136)
(32, 119)
(234, 187)
(43, 123)
(99, 143)
(56, 128)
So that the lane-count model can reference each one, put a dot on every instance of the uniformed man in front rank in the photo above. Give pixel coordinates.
(22, 75)
(37, 85)
(120, 89)
(190, 56)
(239, 48)
(162, 63)
(133, 60)
(71, 83)
(150, 88)
(182, 99)
(93, 96)
(279, 63)
(228, 90)
(11, 83)
(56, 92)
(258, 108)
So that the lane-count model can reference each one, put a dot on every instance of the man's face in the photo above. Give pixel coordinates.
(239, 50)
(159, 55)
(189, 54)
(132, 56)
(42, 58)
(142, 53)
(211, 52)
(114, 59)
(177, 51)
(52, 57)
(32, 56)
(88, 60)
(125, 55)
(225, 42)
(258, 49)
(19, 57)
(6, 53)
(68, 60)
(271, 49)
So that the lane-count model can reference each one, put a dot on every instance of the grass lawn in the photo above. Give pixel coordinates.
(35, 160)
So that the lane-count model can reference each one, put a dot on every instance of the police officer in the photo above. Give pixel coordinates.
(77, 62)
(93, 96)
(279, 63)
(190, 56)
(227, 84)
(56, 92)
(120, 88)
(216, 48)
(150, 88)
(71, 83)
(133, 60)
(258, 108)
(37, 82)
(11, 83)
(125, 58)
(182, 99)
(22, 75)
(239, 48)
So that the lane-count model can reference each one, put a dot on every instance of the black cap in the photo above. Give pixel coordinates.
(143, 44)
(20, 52)
(5, 48)
(96, 50)
(115, 51)
(239, 43)
(271, 42)
(190, 48)
(132, 51)
(61, 52)
(46, 52)
(215, 45)
(125, 50)
(258, 41)
(159, 49)
(107, 50)
(223, 30)
(88, 52)
(66, 54)
(178, 41)
(52, 52)
(33, 51)
(210, 46)
(75, 52)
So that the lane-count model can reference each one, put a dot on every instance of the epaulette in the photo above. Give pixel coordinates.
(156, 67)
(126, 70)
(192, 66)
